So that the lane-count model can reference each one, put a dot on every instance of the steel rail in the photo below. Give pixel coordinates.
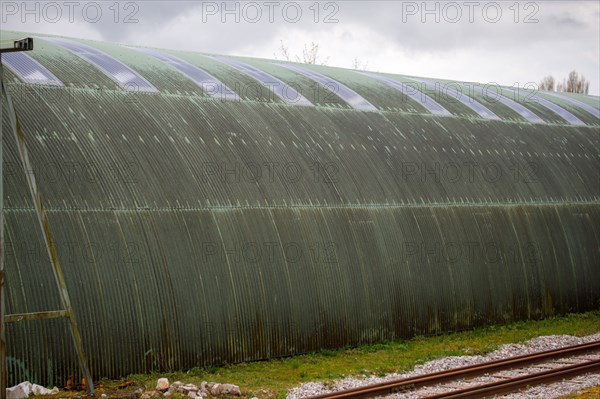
(412, 383)
(524, 381)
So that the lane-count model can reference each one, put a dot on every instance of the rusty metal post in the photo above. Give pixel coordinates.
(44, 225)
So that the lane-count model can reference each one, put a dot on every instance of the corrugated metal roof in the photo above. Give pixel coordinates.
(29, 70)
(126, 77)
(427, 102)
(515, 106)
(351, 97)
(194, 231)
(455, 95)
(203, 79)
(284, 91)
(578, 103)
(563, 113)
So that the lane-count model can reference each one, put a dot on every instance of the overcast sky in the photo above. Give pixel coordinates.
(506, 42)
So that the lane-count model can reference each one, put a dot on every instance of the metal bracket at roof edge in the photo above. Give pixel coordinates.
(68, 311)
(25, 44)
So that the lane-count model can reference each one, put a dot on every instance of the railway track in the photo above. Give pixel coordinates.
(555, 365)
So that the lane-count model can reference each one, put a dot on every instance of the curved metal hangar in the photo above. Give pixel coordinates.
(209, 209)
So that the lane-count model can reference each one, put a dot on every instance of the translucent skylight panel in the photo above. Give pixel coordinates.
(124, 76)
(282, 90)
(515, 106)
(479, 108)
(429, 103)
(211, 85)
(29, 70)
(351, 97)
(578, 103)
(563, 113)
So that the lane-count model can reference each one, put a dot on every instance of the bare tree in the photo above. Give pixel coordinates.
(284, 51)
(359, 65)
(547, 83)
(310, 54)
(573, 84)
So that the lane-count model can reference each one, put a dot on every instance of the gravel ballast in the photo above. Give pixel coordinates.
(538, 344)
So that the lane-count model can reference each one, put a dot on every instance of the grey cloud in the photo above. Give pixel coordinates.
(110, 19)
(570, 27)
(558, 21)
(567, 21)
(150, 14)
(409, 32)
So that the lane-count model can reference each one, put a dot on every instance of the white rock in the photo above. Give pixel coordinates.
(190, 387)
(215, 389)
(40, 390)
(26, 388)
(20, 391)
(203, 386)
(230, 389)
(192, 395)
(162, 384)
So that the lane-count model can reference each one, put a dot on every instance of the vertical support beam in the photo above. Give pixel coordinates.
(2, 334)
(44, 225)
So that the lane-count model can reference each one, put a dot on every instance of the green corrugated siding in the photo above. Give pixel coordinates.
(171, 267)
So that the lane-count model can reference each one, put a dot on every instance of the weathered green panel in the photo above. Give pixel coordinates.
(193, 231)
